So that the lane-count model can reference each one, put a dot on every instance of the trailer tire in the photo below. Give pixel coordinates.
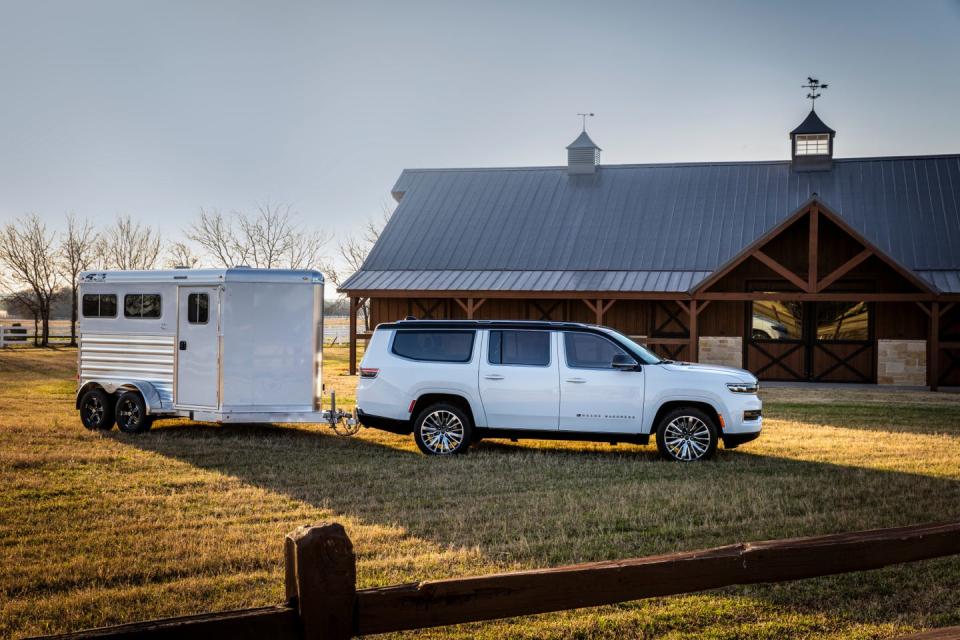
(131, 413)
(96, 410)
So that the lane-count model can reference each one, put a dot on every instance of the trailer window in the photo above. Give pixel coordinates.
(434, 346)
(99, 305)
(141, 305)
(198, 308)
(531, 348)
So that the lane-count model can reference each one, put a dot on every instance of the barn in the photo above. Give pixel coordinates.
(814, 268)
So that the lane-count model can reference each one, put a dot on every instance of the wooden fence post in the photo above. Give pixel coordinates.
(321, 580)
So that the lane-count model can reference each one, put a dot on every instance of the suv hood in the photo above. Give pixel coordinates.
(731, 373)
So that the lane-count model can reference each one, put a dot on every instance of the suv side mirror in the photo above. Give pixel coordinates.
(623, 362)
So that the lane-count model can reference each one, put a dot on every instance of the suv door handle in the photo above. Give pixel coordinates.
(576, 380)
(493, 376)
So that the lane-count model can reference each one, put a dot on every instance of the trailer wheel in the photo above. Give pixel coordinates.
(96, 410)
(132, 413)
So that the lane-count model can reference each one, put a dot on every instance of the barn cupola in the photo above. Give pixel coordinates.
(811, 143)
(583, 155)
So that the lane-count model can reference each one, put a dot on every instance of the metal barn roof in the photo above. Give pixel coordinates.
(628, 226)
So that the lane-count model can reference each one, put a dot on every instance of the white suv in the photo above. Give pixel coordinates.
(454, 382)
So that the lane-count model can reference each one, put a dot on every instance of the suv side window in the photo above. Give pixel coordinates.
(434, 346)
(530, 348)
(589, 351)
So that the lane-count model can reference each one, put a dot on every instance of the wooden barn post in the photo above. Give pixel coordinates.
(353, 335)
(321, 580)
(694, 333)
(933, 361)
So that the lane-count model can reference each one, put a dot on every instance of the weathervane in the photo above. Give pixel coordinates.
(583, 119)
(814, 86)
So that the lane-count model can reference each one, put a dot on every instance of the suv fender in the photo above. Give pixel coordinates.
(464, 396)
(656, 405)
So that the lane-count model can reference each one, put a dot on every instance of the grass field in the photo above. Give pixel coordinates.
(99, 529)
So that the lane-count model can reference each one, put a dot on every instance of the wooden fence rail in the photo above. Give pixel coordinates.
(20, 335)
(323, 603)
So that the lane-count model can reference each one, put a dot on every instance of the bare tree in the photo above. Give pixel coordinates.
(29, 253)
(216, 235)
(353, 251)
(272, 237)
(180, 254)
(131, 245)
(78, 251)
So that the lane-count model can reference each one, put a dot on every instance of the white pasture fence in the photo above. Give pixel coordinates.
(18, 335)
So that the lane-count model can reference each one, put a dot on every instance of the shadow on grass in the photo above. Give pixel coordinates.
(558, 503)
(889, 418)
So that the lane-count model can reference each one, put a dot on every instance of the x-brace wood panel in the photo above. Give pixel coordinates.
(842, 361)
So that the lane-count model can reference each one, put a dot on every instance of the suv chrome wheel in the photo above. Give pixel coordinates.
(442, 429)
(687, 434)
(687, 437)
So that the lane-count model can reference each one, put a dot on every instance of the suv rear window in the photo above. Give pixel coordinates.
(434, 346)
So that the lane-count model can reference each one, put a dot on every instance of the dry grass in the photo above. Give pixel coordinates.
(105, 528)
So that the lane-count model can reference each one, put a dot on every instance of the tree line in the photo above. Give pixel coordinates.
(39, 265)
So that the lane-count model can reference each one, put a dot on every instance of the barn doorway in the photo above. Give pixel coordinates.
(811, 341)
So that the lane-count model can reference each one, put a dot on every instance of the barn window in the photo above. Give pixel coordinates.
(774, 320)
(99, 305)
(813, 144)
(843, 321)
(198, 308)
(141, 305)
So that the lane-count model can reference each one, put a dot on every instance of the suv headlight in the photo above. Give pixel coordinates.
(743, 387)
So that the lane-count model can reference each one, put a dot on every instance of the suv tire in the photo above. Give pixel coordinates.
(687, 434)
(442, 429)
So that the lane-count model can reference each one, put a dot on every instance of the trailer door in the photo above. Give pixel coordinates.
(198, 347)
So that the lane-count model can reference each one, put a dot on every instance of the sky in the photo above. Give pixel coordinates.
(156, 109)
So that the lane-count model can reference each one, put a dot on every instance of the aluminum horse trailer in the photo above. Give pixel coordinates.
(236, 345)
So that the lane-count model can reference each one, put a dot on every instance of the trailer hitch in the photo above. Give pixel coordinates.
(343, 423)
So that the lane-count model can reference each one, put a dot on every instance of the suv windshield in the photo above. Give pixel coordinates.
(643, 355)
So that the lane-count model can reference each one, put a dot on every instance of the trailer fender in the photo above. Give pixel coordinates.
(150, 395)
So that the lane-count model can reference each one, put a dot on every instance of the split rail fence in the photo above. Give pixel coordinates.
(323, 602)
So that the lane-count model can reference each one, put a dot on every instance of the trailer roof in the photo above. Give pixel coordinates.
(206, 276)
